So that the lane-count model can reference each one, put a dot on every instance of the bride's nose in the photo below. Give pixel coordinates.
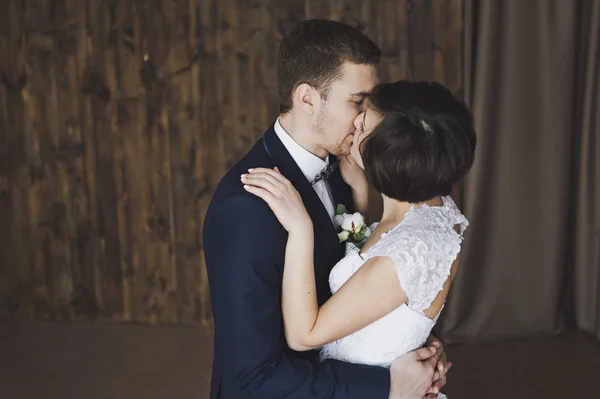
(358, 121)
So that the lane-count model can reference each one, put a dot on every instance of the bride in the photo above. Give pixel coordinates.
(413, 143)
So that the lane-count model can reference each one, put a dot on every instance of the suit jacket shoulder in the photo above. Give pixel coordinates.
(230, 184)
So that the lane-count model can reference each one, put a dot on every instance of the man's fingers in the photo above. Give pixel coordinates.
(435, 357)
(437, 386)
(443, 368)
(439, 383)
(448, 365)
(425, 353)
(439, 380)
(432, 390)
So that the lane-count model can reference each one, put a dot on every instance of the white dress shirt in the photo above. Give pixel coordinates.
(310, 165)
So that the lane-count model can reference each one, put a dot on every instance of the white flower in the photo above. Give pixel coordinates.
(353, 222)
(352, 226)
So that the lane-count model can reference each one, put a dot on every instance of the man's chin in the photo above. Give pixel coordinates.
(342, 151)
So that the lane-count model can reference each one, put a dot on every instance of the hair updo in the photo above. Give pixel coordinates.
(424, 144)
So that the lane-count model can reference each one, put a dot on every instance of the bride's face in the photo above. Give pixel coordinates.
(364, 124)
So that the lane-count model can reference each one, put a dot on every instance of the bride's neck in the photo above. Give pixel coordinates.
(394, 210)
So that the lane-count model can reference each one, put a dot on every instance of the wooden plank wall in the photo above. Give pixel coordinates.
(117, 120)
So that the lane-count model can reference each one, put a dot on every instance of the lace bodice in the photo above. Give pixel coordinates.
(423, 247)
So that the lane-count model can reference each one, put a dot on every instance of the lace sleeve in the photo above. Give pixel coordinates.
(422, 260)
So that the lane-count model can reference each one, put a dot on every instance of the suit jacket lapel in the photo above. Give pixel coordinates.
(288, 167)
(335, 184)
(341, 192)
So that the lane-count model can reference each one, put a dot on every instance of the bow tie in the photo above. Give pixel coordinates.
(325, 173)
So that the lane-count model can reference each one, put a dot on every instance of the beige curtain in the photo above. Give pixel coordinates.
(533, 195)
(586, 228)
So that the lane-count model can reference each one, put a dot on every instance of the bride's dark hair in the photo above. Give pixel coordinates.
(423, 145)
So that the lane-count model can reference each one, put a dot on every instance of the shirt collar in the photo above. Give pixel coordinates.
(309, 164)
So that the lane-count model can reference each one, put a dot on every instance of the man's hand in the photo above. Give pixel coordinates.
(412, 374)
(442, 367)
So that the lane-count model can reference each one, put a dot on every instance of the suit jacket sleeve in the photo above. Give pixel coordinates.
(244, 248)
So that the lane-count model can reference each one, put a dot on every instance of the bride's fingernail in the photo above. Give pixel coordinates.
(250, 170)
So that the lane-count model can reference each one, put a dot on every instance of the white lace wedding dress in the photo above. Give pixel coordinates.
(423, 247)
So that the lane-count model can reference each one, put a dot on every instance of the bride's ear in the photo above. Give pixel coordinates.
(306, 97)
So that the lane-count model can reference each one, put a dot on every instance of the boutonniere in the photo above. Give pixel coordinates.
(352, 226)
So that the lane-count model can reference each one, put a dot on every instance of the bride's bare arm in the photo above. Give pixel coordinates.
(371, 293)
(368, 295)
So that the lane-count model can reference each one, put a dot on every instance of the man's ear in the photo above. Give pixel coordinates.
(306, 97)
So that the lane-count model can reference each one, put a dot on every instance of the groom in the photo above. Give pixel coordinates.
(325, 71)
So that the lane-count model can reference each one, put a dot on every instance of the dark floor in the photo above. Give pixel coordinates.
(89, 361)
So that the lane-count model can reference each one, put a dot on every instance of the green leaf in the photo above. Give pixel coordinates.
(358, 236)
(340, 209)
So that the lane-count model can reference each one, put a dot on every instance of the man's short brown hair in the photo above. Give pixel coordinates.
(314, 53)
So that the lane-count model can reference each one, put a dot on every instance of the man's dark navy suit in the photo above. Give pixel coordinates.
(244, 245)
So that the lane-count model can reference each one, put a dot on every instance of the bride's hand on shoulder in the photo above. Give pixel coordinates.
(281, 196)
